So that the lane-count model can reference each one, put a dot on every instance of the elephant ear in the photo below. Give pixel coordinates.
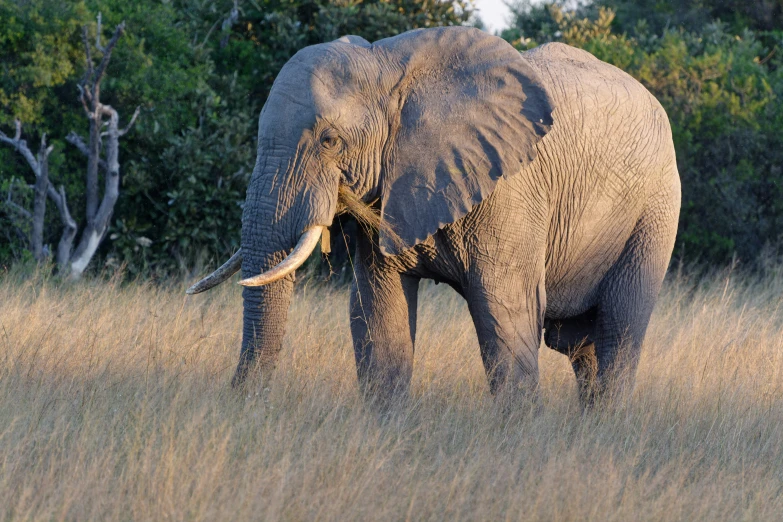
(472, 111)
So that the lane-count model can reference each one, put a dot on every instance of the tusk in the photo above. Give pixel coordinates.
(301, 252)
(228, 269)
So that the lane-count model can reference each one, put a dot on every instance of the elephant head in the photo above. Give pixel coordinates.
(423, 124)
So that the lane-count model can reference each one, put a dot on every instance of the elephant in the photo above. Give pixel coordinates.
(541, 185)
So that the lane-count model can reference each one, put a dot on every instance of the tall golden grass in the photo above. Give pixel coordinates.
(115, 404)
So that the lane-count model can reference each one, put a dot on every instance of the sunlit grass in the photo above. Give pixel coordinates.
(115, 404)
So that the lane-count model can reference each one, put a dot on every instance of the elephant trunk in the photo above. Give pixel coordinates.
(277, 218)
(264, 318)
(267, 236)
(266, 300)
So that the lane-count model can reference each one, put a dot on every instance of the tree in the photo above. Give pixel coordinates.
(694, 15)
(98, 215)
(100, 115)
(34, 220)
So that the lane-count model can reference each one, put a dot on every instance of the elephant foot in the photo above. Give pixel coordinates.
(251, 368)
(244, 367)
(523, 398)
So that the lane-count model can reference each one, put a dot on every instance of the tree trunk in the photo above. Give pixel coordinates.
(39, 203)
(98, 225)
(40, 167)
(69, 228)
(92, 162)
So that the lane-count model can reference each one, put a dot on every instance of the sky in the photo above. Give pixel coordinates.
(494, 13)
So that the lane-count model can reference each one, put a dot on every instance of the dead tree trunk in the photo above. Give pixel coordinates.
(40, 166)
(39, 200)
(43, 188)
(69, 227)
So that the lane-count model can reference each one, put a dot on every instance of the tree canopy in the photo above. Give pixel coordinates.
(201, 70)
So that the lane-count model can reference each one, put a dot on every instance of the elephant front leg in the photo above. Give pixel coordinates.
(509, 323)
(383, 326)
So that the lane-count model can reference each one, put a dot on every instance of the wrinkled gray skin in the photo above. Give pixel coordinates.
(541, 186)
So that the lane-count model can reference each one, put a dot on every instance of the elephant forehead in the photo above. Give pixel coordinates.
(299, 101)
(289, 113)
(333, 71)
(286, 114)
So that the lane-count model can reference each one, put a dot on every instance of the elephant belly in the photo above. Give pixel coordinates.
(569, 298)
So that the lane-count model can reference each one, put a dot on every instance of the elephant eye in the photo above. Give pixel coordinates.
(330, 142)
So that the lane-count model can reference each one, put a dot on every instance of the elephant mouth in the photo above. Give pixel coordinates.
(368, 215)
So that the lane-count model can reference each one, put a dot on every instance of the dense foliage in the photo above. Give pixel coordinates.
(201, 70)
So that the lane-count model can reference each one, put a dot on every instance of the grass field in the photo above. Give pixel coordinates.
(115, 404)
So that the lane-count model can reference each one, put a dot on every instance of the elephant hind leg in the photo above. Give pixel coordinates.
(574, 337)
(626, 301)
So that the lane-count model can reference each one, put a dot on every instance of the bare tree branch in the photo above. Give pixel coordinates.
(21, 146)
(44, 151)
(18, 208)
(5, 139)
(69, 227)
(99, 72)
(89, 72)
(64, 209)
(83, 97)
(98, 35)
(21, 210)
(78, 142)
(124, 131)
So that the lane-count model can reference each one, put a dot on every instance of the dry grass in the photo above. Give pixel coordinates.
(115, 405)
